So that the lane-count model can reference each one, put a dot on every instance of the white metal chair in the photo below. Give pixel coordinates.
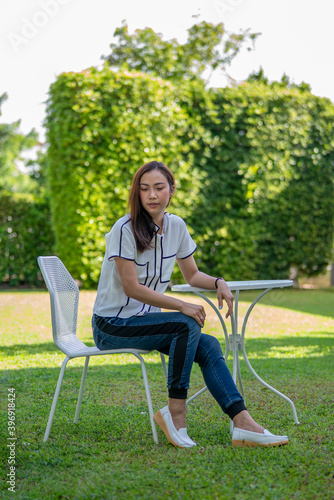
(64, 298)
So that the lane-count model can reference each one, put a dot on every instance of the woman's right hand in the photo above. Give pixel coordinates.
(194, 311)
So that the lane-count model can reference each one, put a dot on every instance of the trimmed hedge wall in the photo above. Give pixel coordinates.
(25, 233)
(254, 163)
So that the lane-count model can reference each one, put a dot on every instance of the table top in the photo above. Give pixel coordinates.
(238, 285)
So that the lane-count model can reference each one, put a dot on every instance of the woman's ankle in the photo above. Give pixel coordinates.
(178, 410)
(243, 420)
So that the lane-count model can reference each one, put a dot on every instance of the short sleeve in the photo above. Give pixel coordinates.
(187, 246)
(120, 241)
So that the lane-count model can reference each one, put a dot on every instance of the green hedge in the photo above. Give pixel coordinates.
(25, 233)
(254, 163)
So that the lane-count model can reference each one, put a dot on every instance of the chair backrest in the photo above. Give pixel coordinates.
(64, 297)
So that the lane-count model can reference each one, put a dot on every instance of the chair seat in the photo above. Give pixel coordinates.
(73, 347)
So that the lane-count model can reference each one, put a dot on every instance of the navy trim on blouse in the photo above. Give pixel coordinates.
(188, 255)
(112, 256)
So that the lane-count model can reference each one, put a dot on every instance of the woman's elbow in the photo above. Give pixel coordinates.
(191, 280)
(131, 290)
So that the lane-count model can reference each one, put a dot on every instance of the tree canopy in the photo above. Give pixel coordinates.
(12, 144)
(208, 46)
(25, 226)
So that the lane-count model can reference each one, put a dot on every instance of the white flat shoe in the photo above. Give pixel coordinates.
(243, 438)
(178, 438)
(184, 435)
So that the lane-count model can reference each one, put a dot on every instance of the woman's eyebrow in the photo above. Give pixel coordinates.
(156, 184)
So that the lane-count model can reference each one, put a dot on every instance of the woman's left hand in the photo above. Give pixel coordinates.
(224, 293)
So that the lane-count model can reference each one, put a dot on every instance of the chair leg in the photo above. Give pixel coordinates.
(196, 395)
(82, 385)
(148, 397)
(55, 399)
(164, 367)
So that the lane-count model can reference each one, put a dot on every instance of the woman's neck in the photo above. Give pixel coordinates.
(159, 222)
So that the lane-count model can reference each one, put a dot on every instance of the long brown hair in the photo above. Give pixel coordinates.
(142, 224)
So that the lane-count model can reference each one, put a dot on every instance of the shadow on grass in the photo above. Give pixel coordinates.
(321, 340)
(278, 361)
(26, 349)
(317, 302)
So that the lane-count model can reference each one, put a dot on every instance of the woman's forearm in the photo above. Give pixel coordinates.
(202, 280)
(151, 297)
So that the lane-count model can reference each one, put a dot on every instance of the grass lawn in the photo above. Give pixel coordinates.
(110, 453)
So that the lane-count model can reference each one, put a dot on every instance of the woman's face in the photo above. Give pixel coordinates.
(155, 194)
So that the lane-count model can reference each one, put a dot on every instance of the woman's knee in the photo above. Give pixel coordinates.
(208, 346)
(210, 342)
(195, 331)
(191, 327)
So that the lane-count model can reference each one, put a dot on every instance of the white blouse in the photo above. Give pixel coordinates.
(154, 266)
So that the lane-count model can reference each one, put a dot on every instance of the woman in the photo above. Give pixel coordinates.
(141, 250)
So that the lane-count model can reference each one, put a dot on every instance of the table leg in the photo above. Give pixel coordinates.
(234, 347)
(250, 366)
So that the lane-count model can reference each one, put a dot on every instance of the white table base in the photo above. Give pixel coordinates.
(236, 341)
